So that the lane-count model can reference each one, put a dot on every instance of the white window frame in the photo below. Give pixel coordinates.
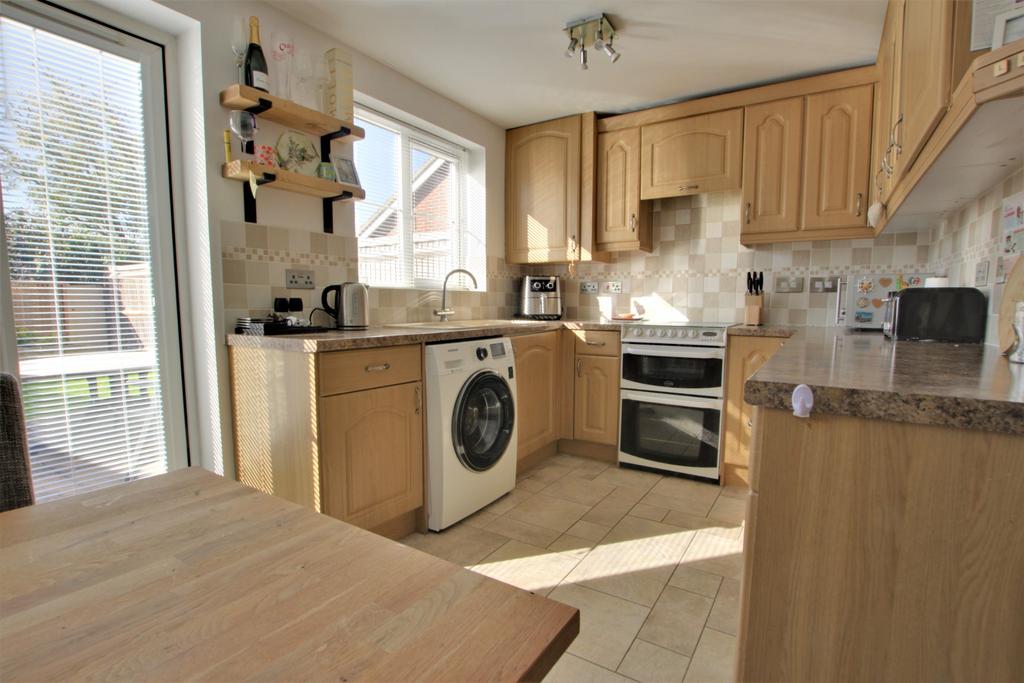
(412, 136)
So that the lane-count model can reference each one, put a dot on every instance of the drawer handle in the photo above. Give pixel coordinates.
(378, 368)
(579, 367)
(688, 187)
(595, 343)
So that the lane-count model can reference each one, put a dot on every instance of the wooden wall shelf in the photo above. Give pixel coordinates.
(288, 113)
(290, 181)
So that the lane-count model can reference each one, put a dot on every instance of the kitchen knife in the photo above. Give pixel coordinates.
(750, 282)
(759, 283)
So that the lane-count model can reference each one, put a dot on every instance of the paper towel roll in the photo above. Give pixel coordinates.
(936, 282)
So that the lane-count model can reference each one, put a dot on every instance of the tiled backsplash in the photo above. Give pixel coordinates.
(255, 258)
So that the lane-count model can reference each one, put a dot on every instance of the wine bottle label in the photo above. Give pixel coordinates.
(260, 80)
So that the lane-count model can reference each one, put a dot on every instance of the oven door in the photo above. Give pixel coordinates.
(692, 370)
(675, 433)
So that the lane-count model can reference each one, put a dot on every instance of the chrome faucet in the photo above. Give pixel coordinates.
(444, 312)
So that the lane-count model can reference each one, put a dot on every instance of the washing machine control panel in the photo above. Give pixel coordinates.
(481, 353)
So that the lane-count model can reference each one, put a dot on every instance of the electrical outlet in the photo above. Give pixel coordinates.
(298, 279)
(824, 284)
(613, 287)
(588, 288)
(981, 274)
(789, 285)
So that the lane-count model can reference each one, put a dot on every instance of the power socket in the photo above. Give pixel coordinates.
(824, 284)
(298, 279)
(588, 288)
(613, 287)
(789, 285)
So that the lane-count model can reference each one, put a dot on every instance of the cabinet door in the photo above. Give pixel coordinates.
(596, 417)
(886, 103)
(772, 144)
(542, 192)
(744, 357)
(837, 149)
(372, 454)
(537, 394)
(926, 60)
(694, 155)
(622, 224)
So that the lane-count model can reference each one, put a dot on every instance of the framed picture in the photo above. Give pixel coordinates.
(345, 169)
(1009, 26)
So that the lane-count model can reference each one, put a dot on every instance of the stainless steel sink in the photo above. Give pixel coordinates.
(461, 324)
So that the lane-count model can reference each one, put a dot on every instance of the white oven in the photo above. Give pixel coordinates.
(670, 415)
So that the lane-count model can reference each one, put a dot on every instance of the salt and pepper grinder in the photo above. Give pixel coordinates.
(1017, 354)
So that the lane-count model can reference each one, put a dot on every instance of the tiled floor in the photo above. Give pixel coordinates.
(653, 564)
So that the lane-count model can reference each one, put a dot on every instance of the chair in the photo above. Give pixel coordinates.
(15, 471)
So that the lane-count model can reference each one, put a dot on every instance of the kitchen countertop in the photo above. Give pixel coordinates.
(866, 375)
(762, 331)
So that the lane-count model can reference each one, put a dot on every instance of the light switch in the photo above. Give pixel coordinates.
(1001, 67)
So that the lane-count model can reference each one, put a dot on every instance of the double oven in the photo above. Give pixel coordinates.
(670, 416)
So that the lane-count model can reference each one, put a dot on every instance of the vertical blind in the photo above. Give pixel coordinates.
(411, 226)
(77, 227)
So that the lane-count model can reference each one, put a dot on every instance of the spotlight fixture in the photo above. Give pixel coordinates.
(595, 32)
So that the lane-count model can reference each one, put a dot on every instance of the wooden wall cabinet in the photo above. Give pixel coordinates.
(744, 357)
(883, 149)
(623, 221)
(772, 163)
(549, 191)
(692, 155)
(538, 393)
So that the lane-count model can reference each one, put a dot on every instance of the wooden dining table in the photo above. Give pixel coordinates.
(189, 575)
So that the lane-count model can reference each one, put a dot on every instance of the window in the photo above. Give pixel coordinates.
(412, 226)
(87, 230)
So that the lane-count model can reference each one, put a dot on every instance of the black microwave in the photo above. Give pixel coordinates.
(943, 314)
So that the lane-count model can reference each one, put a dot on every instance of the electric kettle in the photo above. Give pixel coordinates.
(349, 307)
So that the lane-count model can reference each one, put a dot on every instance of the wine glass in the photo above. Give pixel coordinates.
(243, 125)
(239, 44)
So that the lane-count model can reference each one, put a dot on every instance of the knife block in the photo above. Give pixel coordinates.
(754, 312)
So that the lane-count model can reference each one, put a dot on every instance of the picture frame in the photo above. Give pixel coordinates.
(345, 170)
(1008, 27)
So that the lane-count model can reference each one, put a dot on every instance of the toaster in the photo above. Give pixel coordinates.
(349, 307)
(540, 297)
(943, 314)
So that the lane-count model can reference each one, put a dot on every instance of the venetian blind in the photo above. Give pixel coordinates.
(411, 227)
(77, 227)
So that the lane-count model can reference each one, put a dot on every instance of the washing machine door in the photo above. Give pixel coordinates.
(482, 421)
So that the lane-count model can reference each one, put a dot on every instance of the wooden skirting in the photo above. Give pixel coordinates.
(530, 460)
(585, 449)
(398, 527)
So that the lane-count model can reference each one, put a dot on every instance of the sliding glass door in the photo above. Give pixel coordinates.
(88, 252)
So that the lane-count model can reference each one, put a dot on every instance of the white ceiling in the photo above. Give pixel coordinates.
(504, 59)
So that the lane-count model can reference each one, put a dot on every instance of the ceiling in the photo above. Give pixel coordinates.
(504, 59)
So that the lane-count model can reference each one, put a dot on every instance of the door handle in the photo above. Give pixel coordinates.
(860, 202)
(579, 367)
(746, 214)
(688, 187)
(378, 368)
(895, 138)
(419, 399)
(632, 222)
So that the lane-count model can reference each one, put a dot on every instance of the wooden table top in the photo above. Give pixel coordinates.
(192, 576)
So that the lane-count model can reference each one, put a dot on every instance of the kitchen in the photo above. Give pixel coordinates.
(611, 366)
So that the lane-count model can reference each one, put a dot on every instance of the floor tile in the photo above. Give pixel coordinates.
(688, 521)
(628, 494)
(509, 501)
(549, 473)
(645, 511)
(648, 663)
(710, 552)
(480, 519)
(521, 531)
(736, 491)
(725, 614)
(461, 544)
(731, 511)
(695, 581)
(527, 566)
(548, 512)
(715, 659)
(677, 620)
(622, 476)
(574, 544)
(634, 561)
(589, 530)
(607, 624)
(572, 669)
(578, 490)
(688, 496)
(609, 511)
(530, 484)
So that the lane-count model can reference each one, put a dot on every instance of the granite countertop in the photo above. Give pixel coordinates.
(866, 375)
(762, 331)
(395, 336)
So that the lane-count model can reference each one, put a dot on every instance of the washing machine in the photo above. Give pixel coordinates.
(471, 427)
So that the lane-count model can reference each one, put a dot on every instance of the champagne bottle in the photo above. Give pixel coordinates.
(255, 63)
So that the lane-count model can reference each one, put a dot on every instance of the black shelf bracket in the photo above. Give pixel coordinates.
(329, 210)
(249, 200)
(264, 104)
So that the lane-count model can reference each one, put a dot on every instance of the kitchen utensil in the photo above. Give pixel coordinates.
(540, 297)
(1013, 291)
(243, 125)
(350, 305)
(759, 284)
(944, 314)
(296, 152)
(750, 282)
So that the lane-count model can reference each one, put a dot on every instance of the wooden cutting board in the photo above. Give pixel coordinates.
(1013, 291)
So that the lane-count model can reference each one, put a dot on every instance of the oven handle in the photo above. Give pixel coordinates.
(698, 352)
(671, 399)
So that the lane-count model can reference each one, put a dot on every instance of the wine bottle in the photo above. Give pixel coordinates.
(255, 63)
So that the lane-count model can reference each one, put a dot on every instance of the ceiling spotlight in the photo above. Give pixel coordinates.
(610, 51)
(599, 38)
(594, 33)
(571, 50)
(583, 59)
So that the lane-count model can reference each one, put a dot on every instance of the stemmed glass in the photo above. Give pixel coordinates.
(239, 44)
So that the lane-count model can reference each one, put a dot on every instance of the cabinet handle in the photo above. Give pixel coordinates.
(897, 145)
(632, 222)
(688, 187)
(378, 368)
(595, 343)
(860, 201)
(746, 214)
(419, 399)
(579, 367)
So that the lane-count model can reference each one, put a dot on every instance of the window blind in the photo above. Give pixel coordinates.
(77, 227)
(411, 227)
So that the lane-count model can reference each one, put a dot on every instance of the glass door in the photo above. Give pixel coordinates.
(681, 369)
(88, 252)
(483, 420)
(680, 431)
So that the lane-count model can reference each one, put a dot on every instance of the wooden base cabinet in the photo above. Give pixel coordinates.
(538, 390)
(744, 357)
(596, 417)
